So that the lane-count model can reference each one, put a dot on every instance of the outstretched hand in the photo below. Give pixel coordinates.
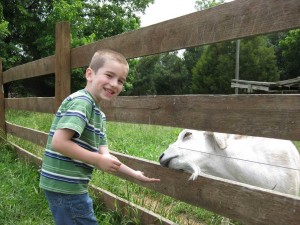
(110, 163)
(140, 176)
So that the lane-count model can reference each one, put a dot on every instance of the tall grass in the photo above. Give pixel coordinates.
(21, 201)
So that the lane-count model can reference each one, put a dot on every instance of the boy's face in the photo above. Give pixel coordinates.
(107, 82)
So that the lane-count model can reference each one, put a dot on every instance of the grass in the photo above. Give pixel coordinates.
(21, 200)
(144, 141)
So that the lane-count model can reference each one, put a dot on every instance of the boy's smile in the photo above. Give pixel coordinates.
(107, 82)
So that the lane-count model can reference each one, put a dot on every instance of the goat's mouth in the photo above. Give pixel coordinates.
(165, 161)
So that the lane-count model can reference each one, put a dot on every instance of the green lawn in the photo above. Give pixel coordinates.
(21, 200)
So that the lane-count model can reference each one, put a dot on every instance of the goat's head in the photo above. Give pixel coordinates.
(187, 152)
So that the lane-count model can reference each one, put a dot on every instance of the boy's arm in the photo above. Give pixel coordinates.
(62, 143)
(103, 149)
(136, 174)
(127, 170)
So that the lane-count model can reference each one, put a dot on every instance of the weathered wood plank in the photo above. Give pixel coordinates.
(37, 104)
(114, 203)
(274, 116)
(234, 20)
(261, 83)
(62, 62)
(245, 203)
(36, 68)
(35, 136)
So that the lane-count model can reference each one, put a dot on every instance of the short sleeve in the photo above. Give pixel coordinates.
(75, 115)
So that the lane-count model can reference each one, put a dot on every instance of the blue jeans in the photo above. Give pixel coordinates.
(71, 209)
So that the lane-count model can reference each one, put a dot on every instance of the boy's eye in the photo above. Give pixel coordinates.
(121, 81)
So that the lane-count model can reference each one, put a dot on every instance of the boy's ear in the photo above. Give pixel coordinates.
(88, 74)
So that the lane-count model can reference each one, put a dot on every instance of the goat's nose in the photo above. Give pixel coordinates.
(162, 155)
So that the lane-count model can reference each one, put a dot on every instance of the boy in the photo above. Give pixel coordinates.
(77, 142)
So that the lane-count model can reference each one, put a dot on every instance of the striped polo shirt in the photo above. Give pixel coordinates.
(80, 113)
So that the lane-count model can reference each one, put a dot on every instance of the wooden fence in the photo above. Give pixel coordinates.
(274, 116)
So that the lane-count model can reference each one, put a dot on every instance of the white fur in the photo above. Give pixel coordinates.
(264, 162)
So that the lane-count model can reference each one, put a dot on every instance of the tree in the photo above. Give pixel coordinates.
(143, 81)
(3, 26)
(161, 74)
(215, 69)
(205, 4)
(171, 75)
(290, 54)
(32, 28)
(258, 60)
(191, 57)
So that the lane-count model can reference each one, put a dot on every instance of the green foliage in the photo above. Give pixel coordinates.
(143, 82)
(290, 48)
(216, 66)
(160, 74)
(214, 70)
(128, 85)
(257, 60)
(205, 4)
(32, 28)
(191, 56)
(171, 76)
(3, 26)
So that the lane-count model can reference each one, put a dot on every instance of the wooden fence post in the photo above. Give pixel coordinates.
(2, 105)
(62, 62)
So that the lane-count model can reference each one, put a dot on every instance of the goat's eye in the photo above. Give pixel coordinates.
(187, 135)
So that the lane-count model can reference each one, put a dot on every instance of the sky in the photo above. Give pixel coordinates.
(163, 10)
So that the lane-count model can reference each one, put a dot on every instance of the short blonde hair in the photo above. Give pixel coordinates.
(100, 57)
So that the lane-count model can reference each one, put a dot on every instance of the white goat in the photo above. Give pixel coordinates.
(264, 162)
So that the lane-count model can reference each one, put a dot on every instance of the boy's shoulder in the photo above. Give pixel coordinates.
(81, 95)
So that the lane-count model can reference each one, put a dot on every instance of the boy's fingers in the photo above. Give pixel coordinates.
(118, 163)
(154, 180)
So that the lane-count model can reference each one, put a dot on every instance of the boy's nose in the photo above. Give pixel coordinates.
(114, 82)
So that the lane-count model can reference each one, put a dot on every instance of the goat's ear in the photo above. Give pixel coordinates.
(219, 138)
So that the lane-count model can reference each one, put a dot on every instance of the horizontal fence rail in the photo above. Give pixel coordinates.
(32, 69)
(36, 104)
(274, 116)
(229, 21)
